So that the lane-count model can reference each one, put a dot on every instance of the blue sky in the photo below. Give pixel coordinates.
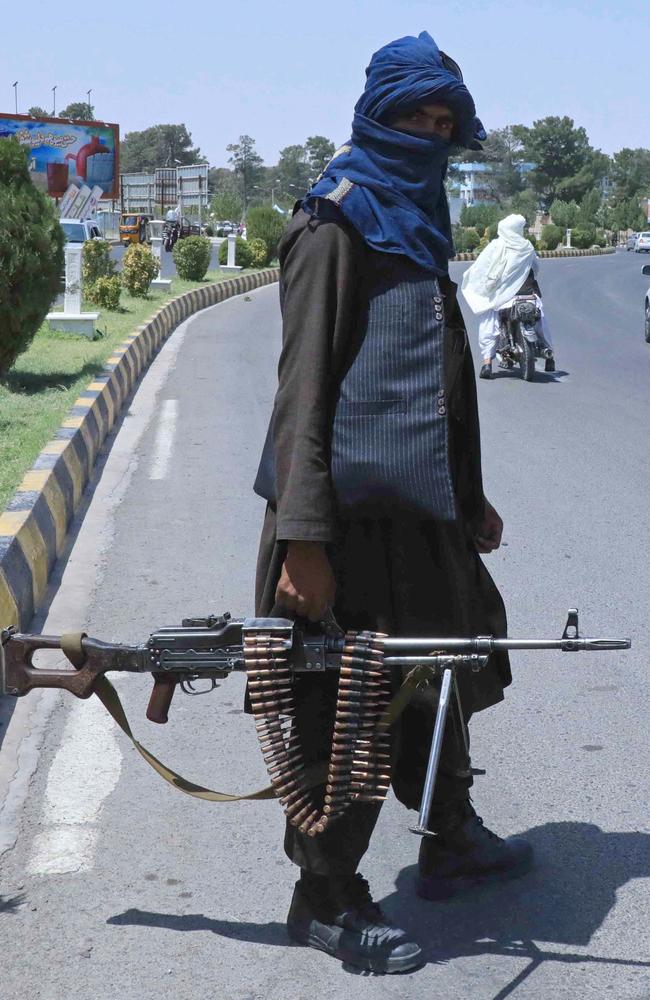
(283, 70)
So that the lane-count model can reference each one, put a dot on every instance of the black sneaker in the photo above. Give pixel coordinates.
(464, 853)
(549, 365)
(342, 920)
(486, 371)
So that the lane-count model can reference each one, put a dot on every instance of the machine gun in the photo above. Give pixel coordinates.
(271, 651)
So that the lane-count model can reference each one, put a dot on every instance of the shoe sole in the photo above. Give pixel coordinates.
(445, 888)
(378, 965)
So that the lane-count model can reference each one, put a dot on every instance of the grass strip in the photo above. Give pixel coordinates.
(45, 380)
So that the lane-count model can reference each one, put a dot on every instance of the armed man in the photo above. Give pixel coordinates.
(372, 473)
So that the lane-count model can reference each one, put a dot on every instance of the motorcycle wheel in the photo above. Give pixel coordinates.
(526, 355)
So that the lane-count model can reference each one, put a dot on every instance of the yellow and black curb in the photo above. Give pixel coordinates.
(34, 525)
(564, 252)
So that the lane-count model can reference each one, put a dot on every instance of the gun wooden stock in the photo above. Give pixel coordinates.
(164, 686)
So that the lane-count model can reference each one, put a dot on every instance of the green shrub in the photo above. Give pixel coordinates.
(259, 252)
(96, 262)
(582, 239)
(31, 255)
(105, 292)
(265, 224)
(472, 238)
(192, 257)
(242, 253)
(208, 230)
(551, 236)
(532, 239)
(479, 216)
(139, 268)
(492, 231)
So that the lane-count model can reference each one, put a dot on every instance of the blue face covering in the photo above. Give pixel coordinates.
(389, 184)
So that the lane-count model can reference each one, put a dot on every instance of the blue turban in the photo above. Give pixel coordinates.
(388, 184)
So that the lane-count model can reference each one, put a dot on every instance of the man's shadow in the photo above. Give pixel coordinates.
(563, 900)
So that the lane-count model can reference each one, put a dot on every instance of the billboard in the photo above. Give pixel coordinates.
(64, 152)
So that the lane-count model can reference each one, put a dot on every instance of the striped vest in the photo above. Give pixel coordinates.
(389, 446)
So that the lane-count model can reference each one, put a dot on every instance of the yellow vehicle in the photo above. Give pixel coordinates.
(134, 227)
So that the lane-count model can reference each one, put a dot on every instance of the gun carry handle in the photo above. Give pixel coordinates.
(164, 686)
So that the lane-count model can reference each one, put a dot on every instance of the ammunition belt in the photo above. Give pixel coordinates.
(359, 766)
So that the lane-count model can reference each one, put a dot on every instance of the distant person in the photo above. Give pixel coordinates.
(507, 267)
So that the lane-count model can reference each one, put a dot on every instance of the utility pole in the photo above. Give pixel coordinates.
(88, 93)
(54, 100)
(15, 86)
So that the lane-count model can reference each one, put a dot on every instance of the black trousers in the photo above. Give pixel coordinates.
(338, 850)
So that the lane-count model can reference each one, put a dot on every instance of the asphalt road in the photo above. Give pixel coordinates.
(114, 885)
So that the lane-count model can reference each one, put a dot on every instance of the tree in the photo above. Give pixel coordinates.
(319, 152)
(79, 111)
(503, 151)
(524, 203)
(37, 112)
(226, 206)
(565, 214)
(293, 171)
(158, 146)
(589, 214)
(560, 152)
(31, 242)
(247, 164)
(630, 174)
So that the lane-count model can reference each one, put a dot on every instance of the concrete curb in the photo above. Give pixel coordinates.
(593, 252)
(34, 525)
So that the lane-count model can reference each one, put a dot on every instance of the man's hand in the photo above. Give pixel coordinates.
(307, 584)
(488, 535)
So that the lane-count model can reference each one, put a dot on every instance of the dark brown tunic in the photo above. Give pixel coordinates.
(395, 574)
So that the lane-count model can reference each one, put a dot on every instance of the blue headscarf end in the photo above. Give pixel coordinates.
(390, 184)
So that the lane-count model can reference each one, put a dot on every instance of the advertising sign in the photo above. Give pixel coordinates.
(63, 152)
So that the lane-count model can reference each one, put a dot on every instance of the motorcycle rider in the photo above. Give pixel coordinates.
(507, 267)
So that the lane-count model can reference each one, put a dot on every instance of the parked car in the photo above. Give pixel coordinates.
(225, 228)
(631, 241)
(646, 271)
(642, 243)
(80, 230)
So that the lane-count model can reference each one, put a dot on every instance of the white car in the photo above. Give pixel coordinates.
(642, 244)
(80, 230)
(646, 271)
(630, 243)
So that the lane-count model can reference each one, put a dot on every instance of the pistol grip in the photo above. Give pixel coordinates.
(161, 697)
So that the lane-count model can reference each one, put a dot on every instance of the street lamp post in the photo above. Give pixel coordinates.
(88, 93)
(54, 100)
(15, 86)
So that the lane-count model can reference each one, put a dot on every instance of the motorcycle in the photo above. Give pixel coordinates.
(171, 232)
(519, 342)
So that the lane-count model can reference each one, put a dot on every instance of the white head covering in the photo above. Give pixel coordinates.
(500, 270)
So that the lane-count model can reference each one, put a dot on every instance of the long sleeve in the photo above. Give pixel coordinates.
(319, 290)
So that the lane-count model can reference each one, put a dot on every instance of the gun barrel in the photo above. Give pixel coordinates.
(486, 644)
